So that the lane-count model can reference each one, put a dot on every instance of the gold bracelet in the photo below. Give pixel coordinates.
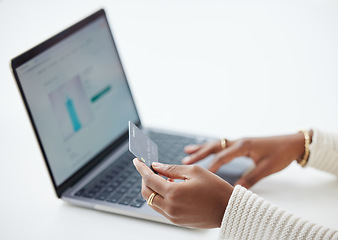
(305, 158)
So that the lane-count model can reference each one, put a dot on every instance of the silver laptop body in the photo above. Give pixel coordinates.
(79, 102)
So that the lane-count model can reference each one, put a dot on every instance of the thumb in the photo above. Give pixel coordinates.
(170, 171)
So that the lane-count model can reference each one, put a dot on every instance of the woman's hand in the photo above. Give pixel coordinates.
(270, 154)
(199, 201)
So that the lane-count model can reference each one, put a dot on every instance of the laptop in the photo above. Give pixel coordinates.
(79, 103)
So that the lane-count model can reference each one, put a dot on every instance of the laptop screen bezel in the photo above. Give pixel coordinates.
(28, 55)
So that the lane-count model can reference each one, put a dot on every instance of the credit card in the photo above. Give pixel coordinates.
(142, 146)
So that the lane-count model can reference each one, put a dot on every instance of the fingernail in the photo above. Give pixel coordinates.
(135, 161)
(185, 160)
(157, 164)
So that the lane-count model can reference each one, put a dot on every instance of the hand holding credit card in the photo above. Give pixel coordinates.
(142, 146)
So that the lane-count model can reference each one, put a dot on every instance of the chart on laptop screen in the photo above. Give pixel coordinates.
(71, 108)
(78, 96)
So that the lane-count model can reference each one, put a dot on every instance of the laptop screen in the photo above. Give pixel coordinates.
(78, 97)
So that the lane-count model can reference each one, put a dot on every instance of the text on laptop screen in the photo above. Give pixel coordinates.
(79, 98)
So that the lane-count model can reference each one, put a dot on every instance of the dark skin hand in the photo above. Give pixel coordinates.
(200, 200)
(270, 154)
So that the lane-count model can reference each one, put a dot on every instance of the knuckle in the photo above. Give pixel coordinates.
(244, 143)
(195, 168)
(214, 146)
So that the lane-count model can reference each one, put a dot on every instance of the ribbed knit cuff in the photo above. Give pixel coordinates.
(248, 216)
(324, 152)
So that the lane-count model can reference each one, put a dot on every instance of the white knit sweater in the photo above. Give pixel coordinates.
(249, 216)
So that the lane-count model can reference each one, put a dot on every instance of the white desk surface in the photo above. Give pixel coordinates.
(219, 68)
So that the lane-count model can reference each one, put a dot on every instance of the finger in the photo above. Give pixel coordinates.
(203, 152)
(153, 181)
(171, 171)
(190, 149)
(226, 156)
(260, 171)
(158, 201)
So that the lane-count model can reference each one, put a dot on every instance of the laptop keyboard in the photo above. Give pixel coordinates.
(120, 182)
(170, 147)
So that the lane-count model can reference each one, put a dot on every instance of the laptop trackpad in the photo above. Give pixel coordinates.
(233, 170)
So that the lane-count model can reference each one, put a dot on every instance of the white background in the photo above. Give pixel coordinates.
(218, 68)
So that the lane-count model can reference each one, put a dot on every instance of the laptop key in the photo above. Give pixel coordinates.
(110, 188)
(80, 192)
(122, 190)
(98, 187)
(103, 195)
(128, 185)
(92, 192)
(125, 201)
(114, 198)
(88, 195)
(140, 199)
(133, 180)
(132, 194)
(137, 204)
(138, 188)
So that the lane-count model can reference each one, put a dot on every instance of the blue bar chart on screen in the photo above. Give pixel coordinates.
(72, 114)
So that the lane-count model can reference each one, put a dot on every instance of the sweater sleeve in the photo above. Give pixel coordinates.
(324, 152)
(248, 216)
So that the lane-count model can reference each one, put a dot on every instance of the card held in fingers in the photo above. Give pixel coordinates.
(142, 146)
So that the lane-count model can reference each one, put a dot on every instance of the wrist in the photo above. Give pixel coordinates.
(227, 191)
